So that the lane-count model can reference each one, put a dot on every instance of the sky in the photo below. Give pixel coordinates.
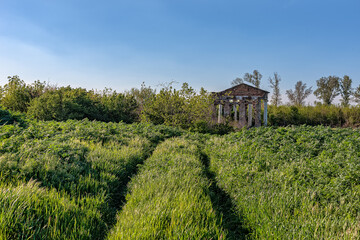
(206, 43)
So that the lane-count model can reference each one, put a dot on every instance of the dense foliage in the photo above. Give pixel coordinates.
(184, 108)
(8, 117)
(327, 115)
(292, 183)
(68, 180)
(77, 103)
(46, 102)
(16, 95)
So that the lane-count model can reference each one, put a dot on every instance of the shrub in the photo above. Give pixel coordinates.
(77, 103)
(62, 104)
(328, 115)
(8, 117)
(182, 108)
(15, 95)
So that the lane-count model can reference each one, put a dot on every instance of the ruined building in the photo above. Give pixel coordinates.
(238, 103)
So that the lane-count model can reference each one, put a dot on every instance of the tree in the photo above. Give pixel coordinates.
(78, 103)
(64, 103)
(357, 95)
(116, 107)
(253, 78)
(256, 78)
(328, 89)
(274, 84)
(142, 95)
(298, 96)
(38, 88)
(345, 90)
(184, 108)
(237, 81)
(15, 94)
(48, 106)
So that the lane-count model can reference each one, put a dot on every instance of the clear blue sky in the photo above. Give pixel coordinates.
(119, 44)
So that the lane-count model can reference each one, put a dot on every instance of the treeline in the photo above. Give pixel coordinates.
(328, 88)
(183, 108)
(45, 102)
(324, 112)
(320, 114)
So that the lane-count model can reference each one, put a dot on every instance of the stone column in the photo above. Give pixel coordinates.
(235, 111)
(213, 113)
(257, 110)
(265, 112)
(227, 109)
(242, 114)
(219, 113)
(249, 115)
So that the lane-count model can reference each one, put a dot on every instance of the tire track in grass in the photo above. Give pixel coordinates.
(223, 205)
(169, 198)
(155, 136)
(82, 166)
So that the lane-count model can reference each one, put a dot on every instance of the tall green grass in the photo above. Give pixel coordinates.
(75, 165)
(28, 211)
(169, 198)
(292, 183)
(68, 180)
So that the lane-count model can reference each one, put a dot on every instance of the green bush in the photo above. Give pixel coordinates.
(46, 102)
(182, 108)
(15, 95)
(64, 103)
(77, 103)
(115, 106)
(327, 115)
(8, 117)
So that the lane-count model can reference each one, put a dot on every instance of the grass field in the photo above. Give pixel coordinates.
(169, 198)
(93, 180)
(292, 183)
(67, 180)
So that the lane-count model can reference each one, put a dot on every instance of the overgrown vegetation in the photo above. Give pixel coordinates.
(45, 102)
(181, 108)
(292, 183)
(8, 117)
(80, 169)
(327, 115)
(68, 180)
(169, 198)
(184, 108)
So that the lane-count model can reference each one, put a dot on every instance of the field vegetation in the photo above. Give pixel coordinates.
(184, 107)
(326, 115)
(291, 183)
(82, 179)
(169, 198)
(65, 180)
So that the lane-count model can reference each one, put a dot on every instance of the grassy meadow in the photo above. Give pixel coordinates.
(93, 180)
(66, 180)
(292, 183)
